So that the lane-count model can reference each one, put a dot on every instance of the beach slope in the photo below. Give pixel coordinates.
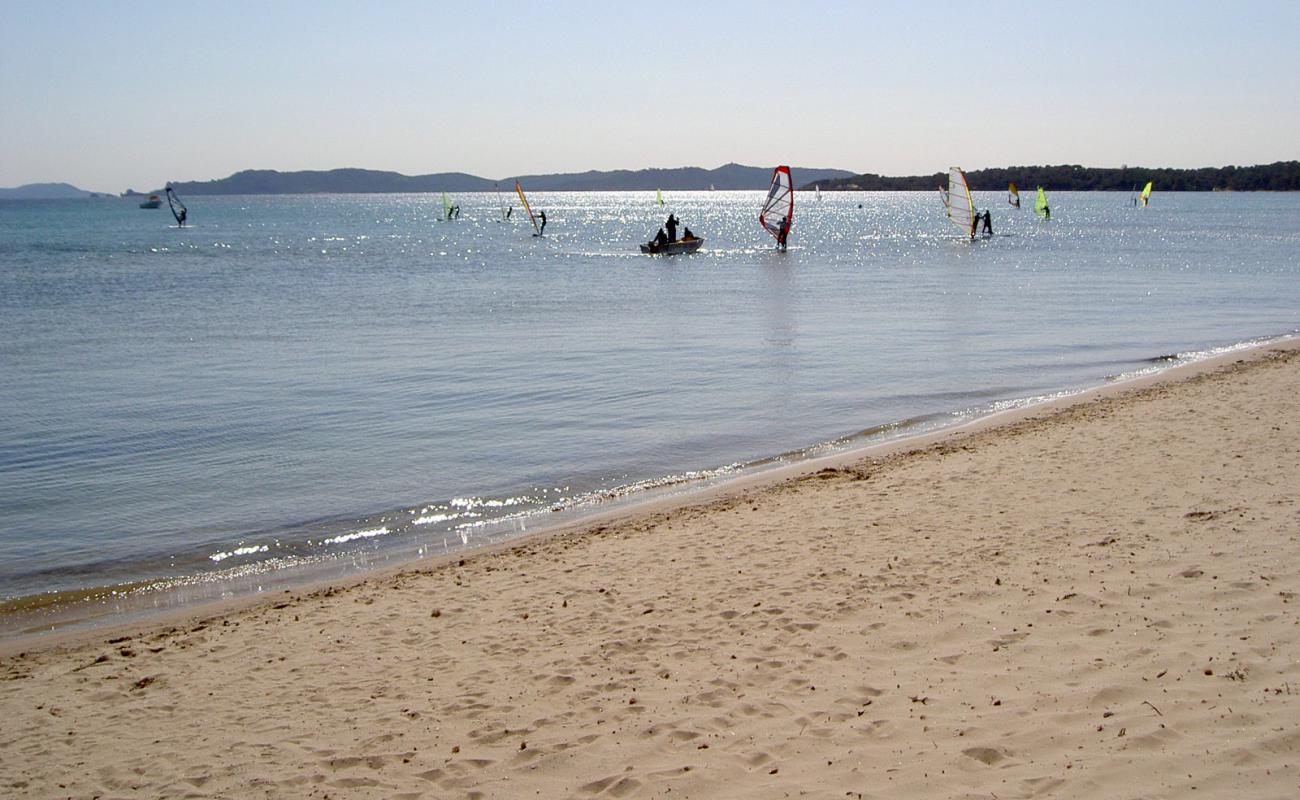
(1095, 601)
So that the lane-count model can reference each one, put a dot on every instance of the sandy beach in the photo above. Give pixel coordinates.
(1094, 599)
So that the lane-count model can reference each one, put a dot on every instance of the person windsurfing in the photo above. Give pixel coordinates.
(542, 216)
(783, 232)
(988, 222)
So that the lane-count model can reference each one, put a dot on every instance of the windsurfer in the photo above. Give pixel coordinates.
(182, 216)
(542, 230)
(782, 232)
(672, 228)
(988, 222)
(1047, 212)
(510, 211)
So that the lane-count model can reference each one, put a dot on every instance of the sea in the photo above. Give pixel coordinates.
(297, 388)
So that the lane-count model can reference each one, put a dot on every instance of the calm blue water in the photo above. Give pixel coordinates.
(303, 378)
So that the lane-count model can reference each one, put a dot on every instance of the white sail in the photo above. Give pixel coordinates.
(961, 209)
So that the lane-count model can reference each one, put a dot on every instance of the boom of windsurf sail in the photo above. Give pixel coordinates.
(1146, 193)
(961, 208)
(520, 191)
(779, 203)
(1040, 204)
(178, 208)
(1013, 194)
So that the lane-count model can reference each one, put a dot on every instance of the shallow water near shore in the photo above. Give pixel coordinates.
(310, 385)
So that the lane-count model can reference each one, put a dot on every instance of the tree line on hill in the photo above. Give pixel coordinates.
(1282, 176)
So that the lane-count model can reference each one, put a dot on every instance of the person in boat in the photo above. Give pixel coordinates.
(782, 232)
(672, 228)
(660, 241)
(988, 222)
(687, 236)
(542, 229)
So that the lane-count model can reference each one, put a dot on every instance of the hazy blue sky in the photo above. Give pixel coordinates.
(110, 95)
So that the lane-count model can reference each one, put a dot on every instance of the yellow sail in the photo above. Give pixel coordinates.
(520, 191)
(1146, 193)
(1013, 195)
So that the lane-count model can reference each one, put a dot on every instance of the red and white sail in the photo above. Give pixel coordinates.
(779, 203)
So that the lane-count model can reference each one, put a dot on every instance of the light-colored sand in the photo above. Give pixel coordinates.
(1098, 602)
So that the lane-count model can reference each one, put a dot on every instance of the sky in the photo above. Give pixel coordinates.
(111, 95)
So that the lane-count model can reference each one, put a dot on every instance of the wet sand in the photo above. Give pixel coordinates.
(1091, 599)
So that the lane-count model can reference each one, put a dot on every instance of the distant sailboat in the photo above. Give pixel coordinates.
(659, 197)
(520, 191)
(1013, 195)
(153, 201)
(1146, 194)
(178, 208)
(817, 190)
(1040, 205)
(778, 210)
(957, 199)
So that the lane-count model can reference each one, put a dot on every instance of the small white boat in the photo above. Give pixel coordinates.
(154, 201)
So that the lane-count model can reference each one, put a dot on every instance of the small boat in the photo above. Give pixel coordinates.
(154, 201)
(672, 248)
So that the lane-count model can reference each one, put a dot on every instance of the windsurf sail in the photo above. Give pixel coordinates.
(1040, 205)
(1146, 193)
(501, 201)
(178, 208)
(779, 203)
(1013, 195)
(520, 191)
(817, 189)
(659, 197)
(446, 206)
(961, 208)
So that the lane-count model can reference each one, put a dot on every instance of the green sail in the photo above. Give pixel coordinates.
(1040, 205)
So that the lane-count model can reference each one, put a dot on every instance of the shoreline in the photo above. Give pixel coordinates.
(70, 622)
(1089, 601)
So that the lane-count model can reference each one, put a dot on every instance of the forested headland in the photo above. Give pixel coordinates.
(1282, 176)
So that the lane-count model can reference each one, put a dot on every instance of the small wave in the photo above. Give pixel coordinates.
(239, 551)
(351, 537)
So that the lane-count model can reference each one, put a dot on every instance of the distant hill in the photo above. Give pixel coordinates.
(45, 191)
(347, 181)
(1282, 176)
